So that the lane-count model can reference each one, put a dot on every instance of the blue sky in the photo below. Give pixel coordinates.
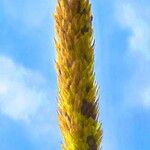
(28, 87)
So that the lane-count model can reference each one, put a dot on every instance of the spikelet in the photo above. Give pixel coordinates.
(77, 98)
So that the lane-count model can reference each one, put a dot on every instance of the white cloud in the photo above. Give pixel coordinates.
(137, 88)
(133, 17)
(25, 97)
(145, 95)
(138, 96)
(19, 98)
(27, 12)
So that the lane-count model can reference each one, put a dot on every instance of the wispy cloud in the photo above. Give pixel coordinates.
(20, 96)
(145, 95)
(138, 96)
(137, 90)
(27, 12)
(25, 97)
(134, 17)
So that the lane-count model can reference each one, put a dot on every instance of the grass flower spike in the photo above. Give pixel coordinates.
(78, 91)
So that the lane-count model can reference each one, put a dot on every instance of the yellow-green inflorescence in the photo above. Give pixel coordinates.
(77, 99)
